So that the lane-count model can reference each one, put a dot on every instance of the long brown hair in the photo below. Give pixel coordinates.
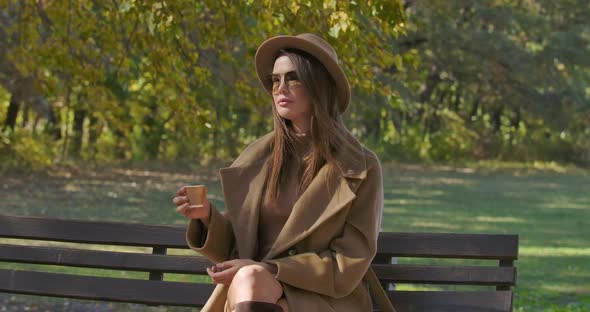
(327, 128)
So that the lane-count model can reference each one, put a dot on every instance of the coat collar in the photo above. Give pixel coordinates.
(243, 186)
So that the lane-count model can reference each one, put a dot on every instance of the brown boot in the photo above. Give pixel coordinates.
(257, 306)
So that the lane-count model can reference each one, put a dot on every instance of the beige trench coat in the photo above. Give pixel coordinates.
(327, 244)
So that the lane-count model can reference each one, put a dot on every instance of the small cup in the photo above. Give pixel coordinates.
(196, 195)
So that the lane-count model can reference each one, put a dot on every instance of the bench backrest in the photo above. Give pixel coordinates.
(496, 275)
(154, 290)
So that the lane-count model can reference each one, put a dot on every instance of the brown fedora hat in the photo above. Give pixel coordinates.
(268, 51)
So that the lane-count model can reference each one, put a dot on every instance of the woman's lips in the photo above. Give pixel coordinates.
(284, 102)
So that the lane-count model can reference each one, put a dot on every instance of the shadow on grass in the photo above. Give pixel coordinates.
(549, 211)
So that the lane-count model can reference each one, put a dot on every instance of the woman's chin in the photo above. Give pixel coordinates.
(285, 112)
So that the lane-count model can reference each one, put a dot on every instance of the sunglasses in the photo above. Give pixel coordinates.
(290, 79)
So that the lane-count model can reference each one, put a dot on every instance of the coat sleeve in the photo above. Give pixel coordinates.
(337, 271)
(216, 241)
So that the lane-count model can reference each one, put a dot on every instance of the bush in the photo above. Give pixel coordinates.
(19, 149)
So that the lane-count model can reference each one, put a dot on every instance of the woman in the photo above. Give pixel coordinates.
(303, 202)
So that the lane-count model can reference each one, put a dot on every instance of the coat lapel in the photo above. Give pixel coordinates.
(243, 187)
(242, 202)
(243, 184)
(315, 205)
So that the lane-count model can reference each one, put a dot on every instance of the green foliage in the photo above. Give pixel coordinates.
(175, 79)
(21, 150)
(515, 75)
(433, 81)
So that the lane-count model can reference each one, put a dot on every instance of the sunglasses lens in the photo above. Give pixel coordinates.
(292, 84)
(275, 86)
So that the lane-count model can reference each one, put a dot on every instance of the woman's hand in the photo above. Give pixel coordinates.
(183, 207)
(224, 272)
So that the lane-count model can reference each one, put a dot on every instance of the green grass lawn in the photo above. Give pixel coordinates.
(548, 209)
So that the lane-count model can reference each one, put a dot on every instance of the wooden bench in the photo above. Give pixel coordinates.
(496, 279)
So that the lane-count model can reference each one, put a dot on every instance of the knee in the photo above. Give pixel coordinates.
(253, 282)
(250, 275)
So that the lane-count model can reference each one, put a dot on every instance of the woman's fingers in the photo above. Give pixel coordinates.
(222, 275)
(178, 200)
(219, 277)
(182, 208)
(224, 272)
(214, 278)
(210, 273)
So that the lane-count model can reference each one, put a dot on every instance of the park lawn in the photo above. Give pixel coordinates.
(548, 209)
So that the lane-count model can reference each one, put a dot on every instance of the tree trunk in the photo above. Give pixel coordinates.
(25, 114)
(432, 81)
(12, 113)
(152, 133)
(93, 134)
(53, 124)
(373, 118)
(457, 100)
(64, 154)
(77, 133)
(121, 136)
(474, 109)
(496, 119)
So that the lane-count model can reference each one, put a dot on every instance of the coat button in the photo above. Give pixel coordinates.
(292, 252)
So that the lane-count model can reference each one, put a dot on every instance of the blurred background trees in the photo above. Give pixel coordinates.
(495, 79)
(432, 80)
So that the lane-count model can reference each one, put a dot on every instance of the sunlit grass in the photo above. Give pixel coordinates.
(547, 205)
(540, 251)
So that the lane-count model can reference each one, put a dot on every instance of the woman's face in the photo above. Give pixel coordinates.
(289, 94)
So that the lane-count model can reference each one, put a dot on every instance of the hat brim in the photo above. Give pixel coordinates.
(269, 49)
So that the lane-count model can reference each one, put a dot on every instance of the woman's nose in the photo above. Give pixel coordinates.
(283, 88)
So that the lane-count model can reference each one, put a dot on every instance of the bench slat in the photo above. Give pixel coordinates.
(432, 245)
(424, 274)
(451, 301)
(455, 275)
(104, 288)
(94, 232)
(104, 259)
(195, 294)
(391, 244)
(449, 245)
